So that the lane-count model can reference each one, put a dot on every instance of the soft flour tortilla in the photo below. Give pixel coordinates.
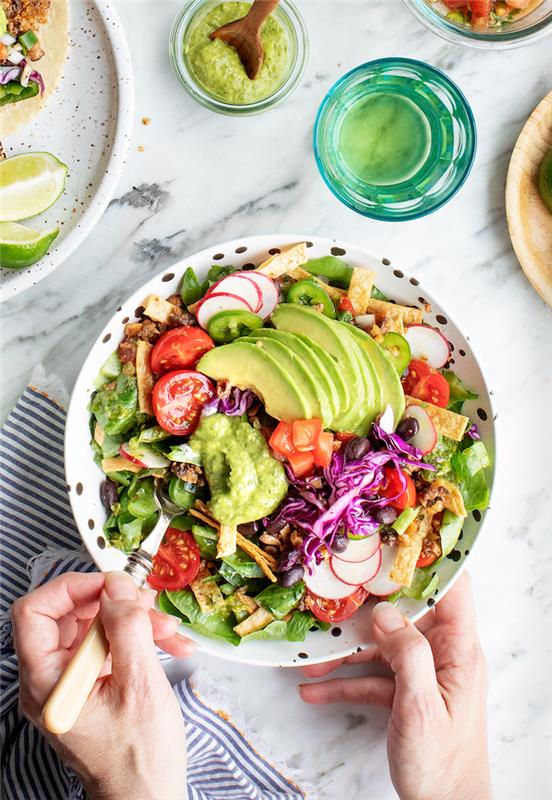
(54, 40)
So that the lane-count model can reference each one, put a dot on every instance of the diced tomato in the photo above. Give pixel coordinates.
(345, 436)
(179, 348)
(281, 440)
(346, 305)
(425, 561)
(336, 610)
(301, 463)
(426, 383)
(392, 487)
(456, 3)
(323, 450)
(178, 399)
(306, 433)
(480, 8)
(177, 561)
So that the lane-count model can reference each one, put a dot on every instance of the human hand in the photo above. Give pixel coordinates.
(129, 740)
(437, 738)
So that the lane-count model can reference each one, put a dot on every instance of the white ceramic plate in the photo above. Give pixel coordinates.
(84, 477)
(87, 124)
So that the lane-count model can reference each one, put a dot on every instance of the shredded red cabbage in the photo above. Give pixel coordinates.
(473, 433)
(393, 442)
(8, 74)
(231, 401)
(36, 77)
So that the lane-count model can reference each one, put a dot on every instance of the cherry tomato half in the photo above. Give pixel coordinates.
(425, 561)
(179, 348)
(178, 398)
(177, 561)
(426, 383)
(336, 610)
(392, 486)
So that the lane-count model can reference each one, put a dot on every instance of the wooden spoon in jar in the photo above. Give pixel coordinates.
(244, 35)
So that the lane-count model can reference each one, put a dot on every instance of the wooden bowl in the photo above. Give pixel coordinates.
(529, 221)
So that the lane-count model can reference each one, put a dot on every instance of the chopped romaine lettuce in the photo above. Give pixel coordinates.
(280, 600)
(115, 405)
(468, 468)
(274, 630)
(218, 624)
(405, 519)
(458, 392)
(141, 498)
(184, 453)
(244, 565)
(451, 528)
(301, 623)
(440, 457)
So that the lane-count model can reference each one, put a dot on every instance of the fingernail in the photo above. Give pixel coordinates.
(119, 586)
(387, 618)
(147, 590)
(184, 639)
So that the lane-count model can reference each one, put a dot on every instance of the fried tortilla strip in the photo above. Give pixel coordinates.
(394, 324)
(447, 423)
(301, 274)
(284, 261)
(410, 547)
(144, 377)
(226, 545)
(453, 500)
(381, 309)
(157, 309)
(247, 601)
(119, 464)
(206, 591)
(256, 622)
(99, 434)
(251, 548)
(204, 518)
(360, 289)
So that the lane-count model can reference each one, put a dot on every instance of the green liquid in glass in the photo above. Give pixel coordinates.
(384, 139)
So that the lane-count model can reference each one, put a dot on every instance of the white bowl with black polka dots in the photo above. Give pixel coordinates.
(87, 124)
(84, 477)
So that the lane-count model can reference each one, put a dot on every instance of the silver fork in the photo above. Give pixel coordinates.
(68, 697)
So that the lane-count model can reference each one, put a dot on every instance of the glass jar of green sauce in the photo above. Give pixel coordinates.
(211, 71)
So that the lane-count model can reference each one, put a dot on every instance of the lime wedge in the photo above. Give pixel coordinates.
(545, 181)
(20, 246)
(29, 184)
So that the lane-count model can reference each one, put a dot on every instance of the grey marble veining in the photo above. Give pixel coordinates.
(202, 179)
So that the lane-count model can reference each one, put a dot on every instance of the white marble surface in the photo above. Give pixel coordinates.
(202, 178)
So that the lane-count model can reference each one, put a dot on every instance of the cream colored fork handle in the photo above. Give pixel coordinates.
(68, 697)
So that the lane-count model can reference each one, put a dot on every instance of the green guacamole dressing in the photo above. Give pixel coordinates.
(246, 482)
(216, 66)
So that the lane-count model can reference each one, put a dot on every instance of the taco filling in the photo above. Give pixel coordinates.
(21, 49)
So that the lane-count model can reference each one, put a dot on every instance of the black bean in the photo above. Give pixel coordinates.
(248, 529)
(357, 448)
(292, 576)
(407, 428)
(339, 543)
(109, 494)
(385, 516)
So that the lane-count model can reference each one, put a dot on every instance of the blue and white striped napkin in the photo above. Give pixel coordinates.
(37, 518)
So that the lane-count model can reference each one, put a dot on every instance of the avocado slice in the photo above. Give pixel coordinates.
(246, 365)
(390, 382)
(372, 389)
(300, 373)
(327, 334)
(317, 360)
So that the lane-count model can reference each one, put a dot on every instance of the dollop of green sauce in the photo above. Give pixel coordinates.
(246, 482)
(217, 67)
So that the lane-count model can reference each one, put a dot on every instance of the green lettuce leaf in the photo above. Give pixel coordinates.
(280, 600)
(468, 469)
(458, 392)
(301, 623)
(219, 624)
(274, 630)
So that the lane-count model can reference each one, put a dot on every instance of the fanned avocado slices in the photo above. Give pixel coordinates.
(314, 358)
(245, 365)
(300, 373)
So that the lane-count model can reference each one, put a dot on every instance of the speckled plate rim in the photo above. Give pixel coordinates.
(117, 160)
(84, 477)
(528, 151)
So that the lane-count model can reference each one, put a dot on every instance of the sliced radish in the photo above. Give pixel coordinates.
(323, 583)
(269, 292)
(359, 549)
(387, 420)
(426, 438)
(240, 286)
(365, 321)
(356, 573)
(145, 457)
(381, 584)
(428, 344)
(214, 303)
